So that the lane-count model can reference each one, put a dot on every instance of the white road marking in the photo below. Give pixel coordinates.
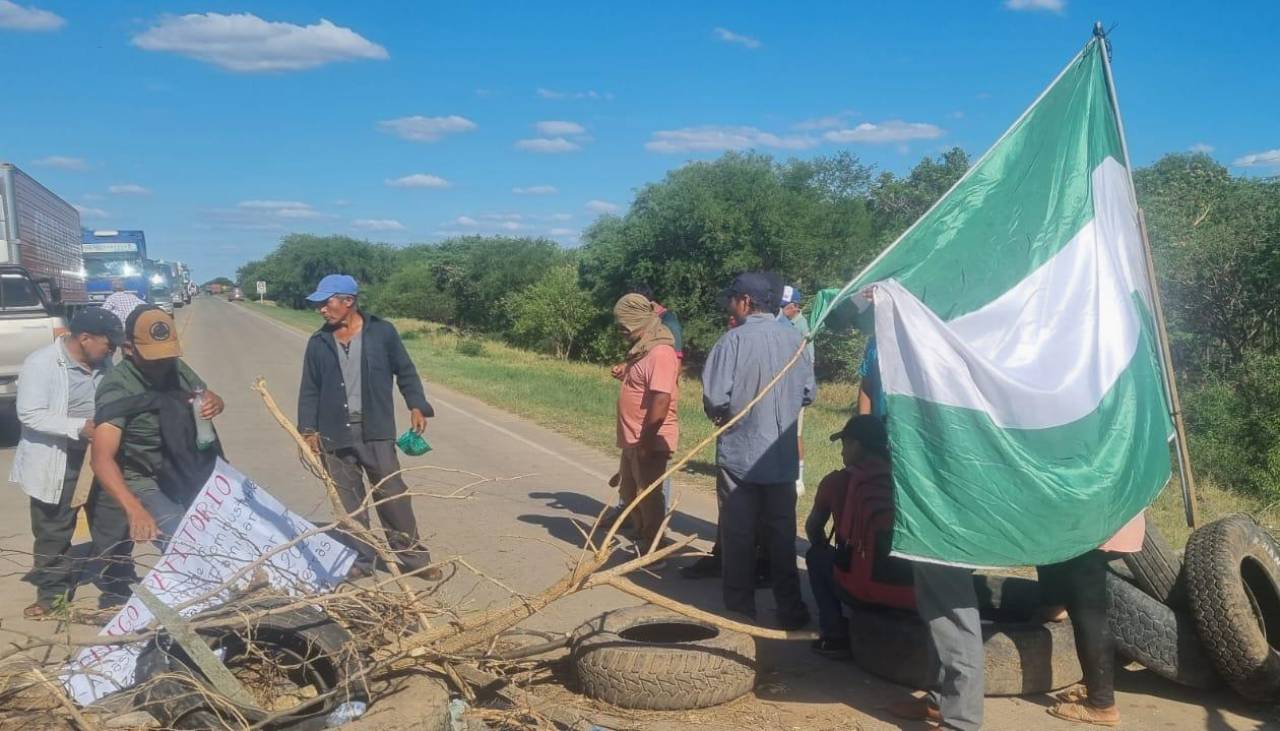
(441, 402)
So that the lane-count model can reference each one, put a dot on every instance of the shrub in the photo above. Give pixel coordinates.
(470, 347)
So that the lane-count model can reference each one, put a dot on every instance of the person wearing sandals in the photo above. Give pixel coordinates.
(56, 408)
(1080, 585)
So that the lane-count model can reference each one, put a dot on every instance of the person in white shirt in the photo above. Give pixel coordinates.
(56, 389)
(121, 303)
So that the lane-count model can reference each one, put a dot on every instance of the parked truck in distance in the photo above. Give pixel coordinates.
(41, 271)
(111, 256)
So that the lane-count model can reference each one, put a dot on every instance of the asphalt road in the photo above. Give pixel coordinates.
(518, 528)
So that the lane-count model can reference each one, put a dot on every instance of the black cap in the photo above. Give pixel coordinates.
(867, 430)
(759, 286)
(97, 321)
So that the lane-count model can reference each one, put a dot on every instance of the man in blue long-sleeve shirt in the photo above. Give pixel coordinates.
(758, 459)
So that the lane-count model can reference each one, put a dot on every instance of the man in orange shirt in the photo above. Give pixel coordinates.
(647, 427)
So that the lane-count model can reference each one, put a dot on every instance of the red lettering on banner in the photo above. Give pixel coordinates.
(167, 563)
(203, 511)
(156, 580)
(214, 497)
(220, 481)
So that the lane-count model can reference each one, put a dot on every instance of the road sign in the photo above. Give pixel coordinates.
(262, 287)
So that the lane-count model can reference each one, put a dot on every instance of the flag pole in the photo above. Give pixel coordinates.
(1185, 474)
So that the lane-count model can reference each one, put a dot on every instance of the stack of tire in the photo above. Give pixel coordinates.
(1211, 617)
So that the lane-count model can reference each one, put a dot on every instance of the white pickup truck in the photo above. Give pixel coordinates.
(41, 271)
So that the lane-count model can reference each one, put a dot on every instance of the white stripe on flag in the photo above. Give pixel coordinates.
(1044, 353)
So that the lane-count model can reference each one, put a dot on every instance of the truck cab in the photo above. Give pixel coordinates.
(111, 256)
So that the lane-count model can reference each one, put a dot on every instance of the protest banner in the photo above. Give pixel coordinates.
(231, 523)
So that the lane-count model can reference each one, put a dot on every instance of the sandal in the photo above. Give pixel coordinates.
(38, 610)
(1084, 713)
(1074, 694)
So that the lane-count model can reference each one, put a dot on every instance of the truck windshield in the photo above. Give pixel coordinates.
(18, 293)
(96, 267)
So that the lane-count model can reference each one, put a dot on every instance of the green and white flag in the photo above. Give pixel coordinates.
(1017, 349)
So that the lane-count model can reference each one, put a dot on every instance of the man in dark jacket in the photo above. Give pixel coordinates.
(346, 413)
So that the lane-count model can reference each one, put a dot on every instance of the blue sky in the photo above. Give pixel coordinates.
(216, 126)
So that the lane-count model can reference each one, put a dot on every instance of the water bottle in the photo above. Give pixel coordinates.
(205, 436)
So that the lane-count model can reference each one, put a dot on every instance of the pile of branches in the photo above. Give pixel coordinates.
(398, 625)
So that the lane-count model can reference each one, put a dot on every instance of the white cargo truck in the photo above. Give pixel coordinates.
(41, 271)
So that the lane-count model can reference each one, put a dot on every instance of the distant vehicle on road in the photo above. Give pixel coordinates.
(236, 295)
(41, 271)
(111, 255)
(160, 292)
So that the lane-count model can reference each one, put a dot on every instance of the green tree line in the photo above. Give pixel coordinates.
(1216, 239)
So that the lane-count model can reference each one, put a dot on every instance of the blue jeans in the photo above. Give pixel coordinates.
(820, 561)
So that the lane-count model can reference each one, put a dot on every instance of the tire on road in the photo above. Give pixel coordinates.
(649, 658)
(1232, 572)
(175, 692)
(1157, 570)
(1022, 657)
(1162, 639)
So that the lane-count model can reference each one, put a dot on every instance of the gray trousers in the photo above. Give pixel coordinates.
(377, 459)
(54, 572)
(948, 605)
(746, 510)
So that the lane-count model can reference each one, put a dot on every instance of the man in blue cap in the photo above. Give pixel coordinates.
(757, 459)
(346, 413)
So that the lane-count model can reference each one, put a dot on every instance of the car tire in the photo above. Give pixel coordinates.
(1233, 586)
(647, 658)
(1022, 657)
(1160, 638)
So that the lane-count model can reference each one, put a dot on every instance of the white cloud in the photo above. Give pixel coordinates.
(28, 17)
(246, 43)
(830, 121)
(281, 209)
(1265, 159)
(511, 226)
(426, 129)
(503, 217)
(128, 189)
(589, 94)
(885, 132)
(62, 162)
(713, 138)
(1201, 147)
(559, 128)
(493, 222)
(1050, 5)
(560, 217)
(1053, 6)
(599, 206)
(546, 145)
(378, 224)
(418, 180)
(536, 190)
(89, 211)
(728, 36)
(563, 232)
(467, 221)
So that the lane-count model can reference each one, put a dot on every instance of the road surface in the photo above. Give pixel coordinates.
(517, 528)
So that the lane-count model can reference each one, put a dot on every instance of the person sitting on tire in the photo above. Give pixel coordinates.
(862, 440)
(1080, 584)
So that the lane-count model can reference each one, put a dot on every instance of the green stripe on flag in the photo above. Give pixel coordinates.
(984, 495)
(1018, 206)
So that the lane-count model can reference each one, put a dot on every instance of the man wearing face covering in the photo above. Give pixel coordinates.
(648, 431)
(144, 445)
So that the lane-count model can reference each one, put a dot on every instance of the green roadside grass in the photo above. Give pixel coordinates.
(578, 399)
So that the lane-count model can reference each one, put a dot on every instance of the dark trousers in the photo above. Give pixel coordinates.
(820, 562)
(377, 459)
(1081, 586)
(55, 573)
(747, 509)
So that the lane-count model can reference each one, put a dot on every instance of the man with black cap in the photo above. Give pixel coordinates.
(864, 450)
(346, 413)
(56, 408)
(757, 459)
(144, 445)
